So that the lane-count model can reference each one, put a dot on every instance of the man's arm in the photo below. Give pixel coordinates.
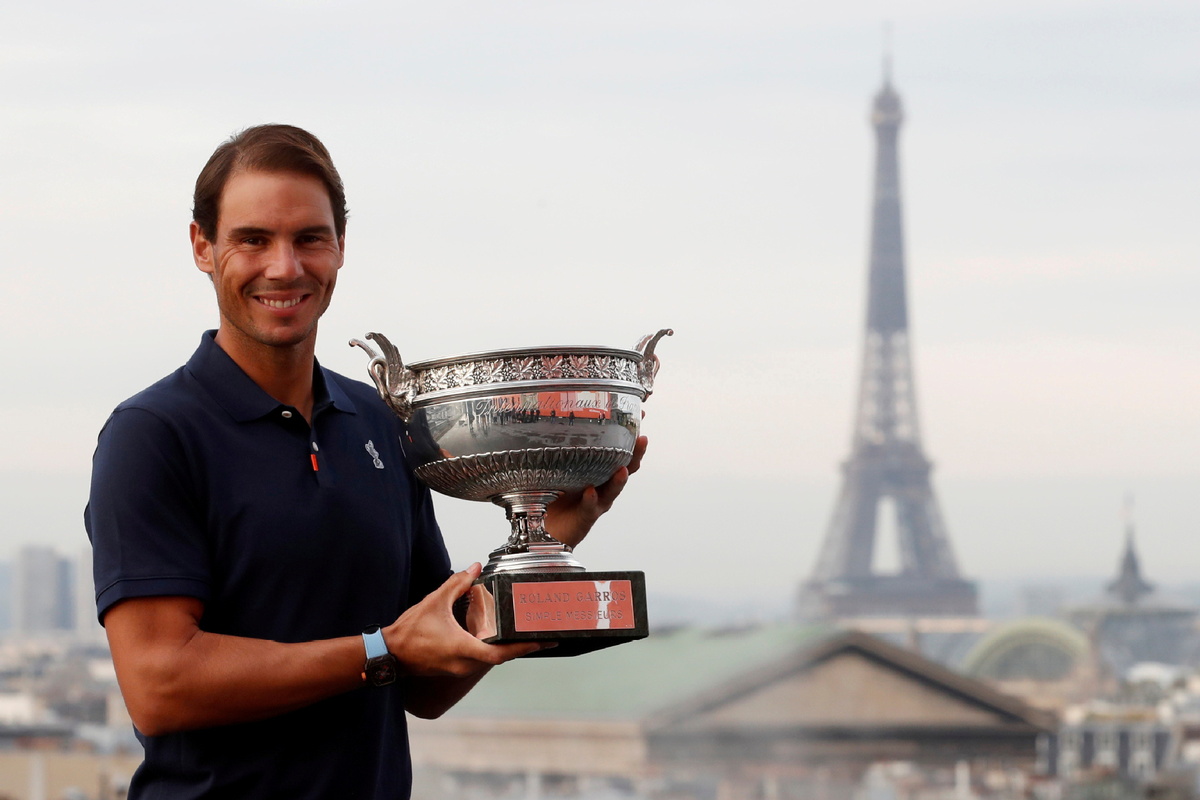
(175, 676)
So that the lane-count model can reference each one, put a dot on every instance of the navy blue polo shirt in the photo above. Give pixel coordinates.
(205, 486)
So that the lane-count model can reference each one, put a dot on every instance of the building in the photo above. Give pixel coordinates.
(43, 592)
(770, 711)
(1132, 622)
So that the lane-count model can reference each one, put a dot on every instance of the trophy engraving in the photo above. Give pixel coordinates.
(520, 428)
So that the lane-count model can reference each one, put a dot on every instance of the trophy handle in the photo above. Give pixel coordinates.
(650, 364)
(393, 380)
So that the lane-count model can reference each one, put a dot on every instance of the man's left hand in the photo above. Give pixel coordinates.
(570, 517)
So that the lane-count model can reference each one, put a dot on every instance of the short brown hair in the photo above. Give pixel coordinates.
(266, 148)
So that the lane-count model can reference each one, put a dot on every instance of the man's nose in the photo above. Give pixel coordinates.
(284, 262)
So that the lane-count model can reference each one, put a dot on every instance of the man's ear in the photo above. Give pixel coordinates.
(202, 250)
(342, 250)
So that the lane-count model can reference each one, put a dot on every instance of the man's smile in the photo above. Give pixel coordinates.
(280, 303)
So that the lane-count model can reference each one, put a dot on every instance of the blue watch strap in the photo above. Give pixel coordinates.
(374, 642)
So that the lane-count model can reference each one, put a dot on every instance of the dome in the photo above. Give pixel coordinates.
(1028, 649)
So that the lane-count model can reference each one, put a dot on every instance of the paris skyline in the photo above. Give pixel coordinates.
(592, 172)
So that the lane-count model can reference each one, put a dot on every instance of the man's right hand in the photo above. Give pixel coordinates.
(428, 641)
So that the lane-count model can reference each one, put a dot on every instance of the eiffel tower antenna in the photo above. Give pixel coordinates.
(887, 468)
(887, 53)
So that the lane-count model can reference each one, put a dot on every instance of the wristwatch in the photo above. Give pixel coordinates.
(380, 669)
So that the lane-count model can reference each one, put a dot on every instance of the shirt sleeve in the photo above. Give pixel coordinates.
(144, 514)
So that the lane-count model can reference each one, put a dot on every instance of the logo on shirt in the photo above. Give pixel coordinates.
(374, 454)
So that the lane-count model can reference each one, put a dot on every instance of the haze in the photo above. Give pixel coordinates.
(587, 172)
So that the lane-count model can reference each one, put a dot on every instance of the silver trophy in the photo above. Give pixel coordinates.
(520, 428)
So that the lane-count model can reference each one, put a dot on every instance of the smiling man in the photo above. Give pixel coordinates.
(274, 586)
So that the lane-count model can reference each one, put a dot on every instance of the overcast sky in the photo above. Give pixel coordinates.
(577, 171)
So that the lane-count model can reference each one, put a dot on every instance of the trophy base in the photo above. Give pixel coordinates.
(581, 611)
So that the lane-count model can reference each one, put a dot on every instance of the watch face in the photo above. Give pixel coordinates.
(382, 670)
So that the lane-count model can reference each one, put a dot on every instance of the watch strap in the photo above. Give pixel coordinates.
(374, 643)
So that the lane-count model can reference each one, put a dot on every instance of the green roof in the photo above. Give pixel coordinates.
(632, 680)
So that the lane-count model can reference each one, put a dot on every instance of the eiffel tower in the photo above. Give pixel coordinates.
(887, 469)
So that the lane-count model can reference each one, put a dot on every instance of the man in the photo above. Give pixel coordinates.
(253, 524)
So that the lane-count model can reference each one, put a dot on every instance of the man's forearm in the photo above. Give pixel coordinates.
(429, 698)
(176, 677)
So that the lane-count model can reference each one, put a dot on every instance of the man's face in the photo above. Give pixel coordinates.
(275, 259)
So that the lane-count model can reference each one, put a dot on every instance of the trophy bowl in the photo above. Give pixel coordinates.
(519, 427)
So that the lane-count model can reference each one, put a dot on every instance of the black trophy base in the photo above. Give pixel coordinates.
(580, 611)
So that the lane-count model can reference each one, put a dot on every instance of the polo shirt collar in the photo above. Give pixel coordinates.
(241, 397)
(327, 390)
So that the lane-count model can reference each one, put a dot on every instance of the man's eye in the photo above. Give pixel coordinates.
(253, 241)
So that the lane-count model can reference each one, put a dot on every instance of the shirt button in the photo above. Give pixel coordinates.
(286, 414)
(315, 448)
